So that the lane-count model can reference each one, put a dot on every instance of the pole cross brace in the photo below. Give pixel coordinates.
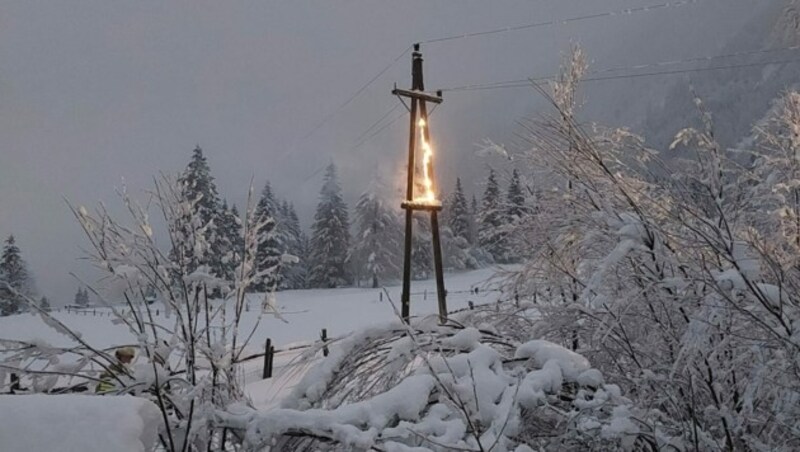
(421, 205)
(419, 95)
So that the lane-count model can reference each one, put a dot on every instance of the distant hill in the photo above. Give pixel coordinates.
(736, 98)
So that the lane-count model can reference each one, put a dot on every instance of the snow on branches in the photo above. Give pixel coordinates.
(433, 387)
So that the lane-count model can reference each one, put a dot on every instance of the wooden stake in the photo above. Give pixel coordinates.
(269, 350)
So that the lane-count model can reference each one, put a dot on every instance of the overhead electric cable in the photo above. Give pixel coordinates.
(347, 102)
(621, 12)
(518, 83)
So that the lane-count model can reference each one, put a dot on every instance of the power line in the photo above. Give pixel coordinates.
(362, 141)
(519, 83)
(378, 132)
(684, 71)
(622, 12)
(347, 102)
(375, 124)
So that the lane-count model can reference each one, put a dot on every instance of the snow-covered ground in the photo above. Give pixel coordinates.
(304, 312)
(77, 423)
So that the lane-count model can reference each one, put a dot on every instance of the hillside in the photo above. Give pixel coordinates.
(736, 97)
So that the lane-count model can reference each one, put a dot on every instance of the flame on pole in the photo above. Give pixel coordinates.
(429, 196)
(425, 201)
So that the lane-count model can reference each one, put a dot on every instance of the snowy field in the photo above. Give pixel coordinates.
(305, 313)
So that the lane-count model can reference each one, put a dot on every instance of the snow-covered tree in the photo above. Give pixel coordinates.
(199, 193)
(456, 251)
(458, 213)
(330, 240)
(515, 201)
(377, 245)
(473, 221)
(81, 298)
(187, 366)
(683, 291)
(421, 247)
(492, 233)
(44, 304)
(230, 240)
(515, 212)
(294, 273)
(270, 246)
(15, 279)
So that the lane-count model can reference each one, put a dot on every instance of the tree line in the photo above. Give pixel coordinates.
(340, 252)
(335, 253)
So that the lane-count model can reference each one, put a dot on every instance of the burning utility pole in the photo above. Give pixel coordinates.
(427, 201)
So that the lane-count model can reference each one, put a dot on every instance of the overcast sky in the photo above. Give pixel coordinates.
(92, 92)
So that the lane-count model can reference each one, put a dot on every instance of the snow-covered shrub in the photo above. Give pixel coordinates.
(459, 386)
(677, 279)
(188, 369)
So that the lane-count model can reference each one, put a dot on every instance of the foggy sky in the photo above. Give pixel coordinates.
(94, 92)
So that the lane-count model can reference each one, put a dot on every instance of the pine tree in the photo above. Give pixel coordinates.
(515, 198)
(491, 235)
(456, 251)
(15, 280)
(515, 211)
(304, 266)
(330, 241)
(473, 221)
(421, 247)
(294, 274)
(82, 298)
(231, 242)
(200, 192)
(44, 304)
(376, 251)
(270, 248)
(459, 213)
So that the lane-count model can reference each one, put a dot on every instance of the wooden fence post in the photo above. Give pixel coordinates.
(269, 350)
(324, 336)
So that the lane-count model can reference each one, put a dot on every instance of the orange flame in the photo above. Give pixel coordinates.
(429, 196)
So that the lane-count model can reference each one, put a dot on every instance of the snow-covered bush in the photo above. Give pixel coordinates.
(459, 386)
(189, 368)
(677, 279)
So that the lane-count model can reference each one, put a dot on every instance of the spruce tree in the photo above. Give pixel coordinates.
(231, 242)
(330, 241)
(421, 247)
(473, 221)
(515, 210)
(44, 304)
(270, 248)
(458, 218)
(294, 274)
(304, 266)
(81, 298)
(376, 250)
(491, 235)
(15, 280)
(515, 198)
(200, 192)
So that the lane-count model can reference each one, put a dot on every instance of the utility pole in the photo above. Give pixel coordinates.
(419, 99)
